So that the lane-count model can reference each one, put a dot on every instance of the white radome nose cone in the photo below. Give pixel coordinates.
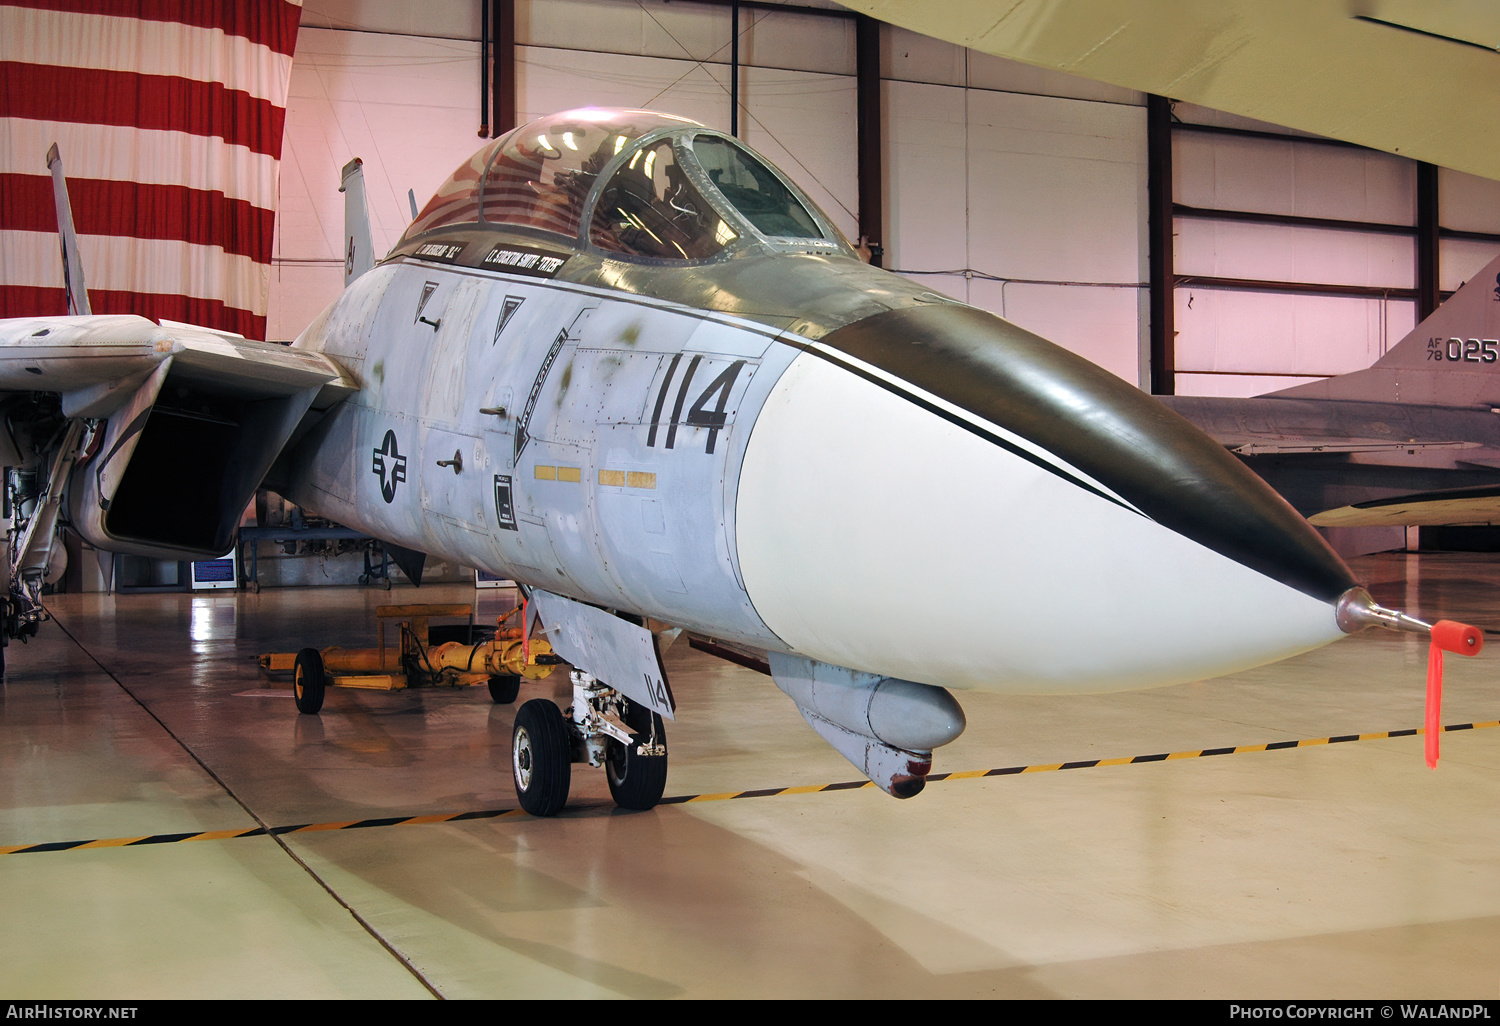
(877, 535)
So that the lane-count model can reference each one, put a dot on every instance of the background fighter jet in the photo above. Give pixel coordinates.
(1414, 439)
(624, 361)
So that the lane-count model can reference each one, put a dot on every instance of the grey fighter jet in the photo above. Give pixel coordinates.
(1412, 440)
(624, 361)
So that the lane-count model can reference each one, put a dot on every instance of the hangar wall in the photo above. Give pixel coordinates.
(1335, 223)
(1240, 342)
(1017, 189)
(1021, 191)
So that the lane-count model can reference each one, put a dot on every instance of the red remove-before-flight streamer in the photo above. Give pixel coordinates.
(1447, 636)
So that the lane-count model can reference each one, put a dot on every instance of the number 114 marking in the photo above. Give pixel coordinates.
(698, 414)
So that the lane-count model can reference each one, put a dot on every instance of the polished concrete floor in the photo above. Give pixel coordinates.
(1333, 870)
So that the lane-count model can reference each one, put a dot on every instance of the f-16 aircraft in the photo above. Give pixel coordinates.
(1413, 439)
(626, 362)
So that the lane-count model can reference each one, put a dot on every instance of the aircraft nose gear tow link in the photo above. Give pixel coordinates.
(601, 728)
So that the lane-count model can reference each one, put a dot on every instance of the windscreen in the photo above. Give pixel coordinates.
(754, 190)
(650, 208)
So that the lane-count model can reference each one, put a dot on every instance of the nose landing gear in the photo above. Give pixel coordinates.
(602, 728)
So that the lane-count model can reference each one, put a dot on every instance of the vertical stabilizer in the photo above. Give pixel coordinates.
(78, 295)
(1451, 359)
(359, 251)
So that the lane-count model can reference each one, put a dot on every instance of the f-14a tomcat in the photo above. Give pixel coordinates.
(624, 361)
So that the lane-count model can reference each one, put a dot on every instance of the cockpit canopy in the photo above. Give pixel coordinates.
(644, 185)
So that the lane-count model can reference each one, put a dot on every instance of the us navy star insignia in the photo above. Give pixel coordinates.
(390, 466)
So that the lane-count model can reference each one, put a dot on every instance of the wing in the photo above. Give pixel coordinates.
(155, 435)
(84, 359)
(175, 425)
(1451, 507)
(1346, 463)
(1269, 425)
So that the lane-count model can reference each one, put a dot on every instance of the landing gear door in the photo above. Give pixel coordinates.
(619, 653)
(102, 477)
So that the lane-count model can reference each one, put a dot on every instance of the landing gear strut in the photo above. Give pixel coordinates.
(35, 504)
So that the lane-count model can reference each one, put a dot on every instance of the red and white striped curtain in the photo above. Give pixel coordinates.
(168, 115)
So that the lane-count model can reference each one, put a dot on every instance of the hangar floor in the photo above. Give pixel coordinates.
(1332, 870)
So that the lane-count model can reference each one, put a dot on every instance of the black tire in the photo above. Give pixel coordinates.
(541, 758)
(637, 781)
(505, 688)
(309, 681)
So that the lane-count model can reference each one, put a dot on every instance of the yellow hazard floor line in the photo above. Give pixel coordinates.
(221, 835)
(848, 785)
(1270, 746)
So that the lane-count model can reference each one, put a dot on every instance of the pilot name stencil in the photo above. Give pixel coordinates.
(439, 250)
(390, 466)
(528, 261)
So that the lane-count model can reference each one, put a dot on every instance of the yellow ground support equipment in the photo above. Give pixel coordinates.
(424, 657)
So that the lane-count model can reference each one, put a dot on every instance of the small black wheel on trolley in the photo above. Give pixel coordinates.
(504, 688)
(637, 781)
(541, 758)
(309, 681)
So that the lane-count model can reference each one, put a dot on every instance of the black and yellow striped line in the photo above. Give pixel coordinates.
(1005, 771)
(224, 835)
(847, 785)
